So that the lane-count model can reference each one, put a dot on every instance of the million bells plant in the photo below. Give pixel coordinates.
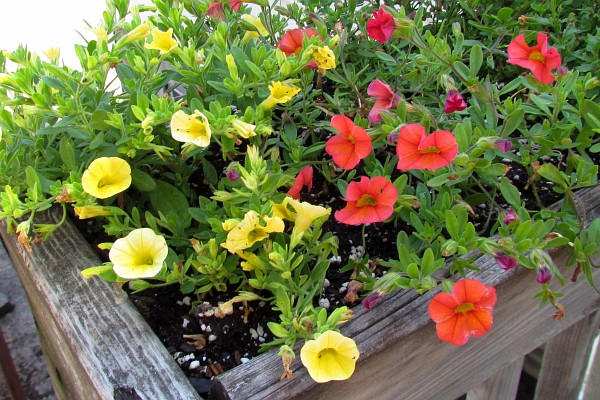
(196, 134)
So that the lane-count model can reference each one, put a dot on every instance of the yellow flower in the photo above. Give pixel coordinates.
(101, 35)
(162, 41)
(106, 176)
(53, 54)
(138, 255)
(91, 211)
(324, 58)
(332, 356)
(252, 229)
(189, 129)
(281, 92)
(256, 22)
(251, 261)
(243, 129)
(306, 213)
(140, 32)
(5, 78)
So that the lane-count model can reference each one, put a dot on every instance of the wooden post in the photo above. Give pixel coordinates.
(501, 386)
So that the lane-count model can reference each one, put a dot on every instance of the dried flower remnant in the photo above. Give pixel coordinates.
(350, 145)
(106, 177)
(381, 26)
(466, 312)
(454, 102)
(331, 356)
(367, 201)
(417, 150)
(371, 300)
(386, 99)
(140, 254)
(215, 11)
(190, 129)
(539, 59)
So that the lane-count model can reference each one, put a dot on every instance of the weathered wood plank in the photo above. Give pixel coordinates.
(97, 344)
(502, 386)
(591, 384)
(565, 359)
(401, 356)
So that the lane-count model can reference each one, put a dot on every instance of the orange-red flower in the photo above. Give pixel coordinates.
(386, 99)
(291, 42)
(215, 10)
(464, 313)
(382, 26)
(417, 150)
(351, 145)
(540, 59)
(368, 201)
(304, 178)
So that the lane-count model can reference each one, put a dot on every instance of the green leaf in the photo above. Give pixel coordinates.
(53, 83)
(98, 120)
(462, 70)
(591, 113)
(169, 200)
(475, 60)
(553, 174)
(510, 193)
(412, 271)
(67, 154)
(142, 181)
(452, 225)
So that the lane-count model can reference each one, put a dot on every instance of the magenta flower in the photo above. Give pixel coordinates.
(511, 216)
(505, 261)
(503, 145)
(386, 99)
(454, 102)
(544, 274)
(382, 26)
(232, 175)
(372, 299)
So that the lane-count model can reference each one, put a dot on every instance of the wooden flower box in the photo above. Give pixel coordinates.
(98, 346)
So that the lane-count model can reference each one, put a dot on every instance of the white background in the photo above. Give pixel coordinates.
(42, 24)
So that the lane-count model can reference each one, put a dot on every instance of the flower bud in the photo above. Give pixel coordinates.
(503, 145)
(371, 300)
(544, 274)
(511, 216)
(505, 261)
(454, 102)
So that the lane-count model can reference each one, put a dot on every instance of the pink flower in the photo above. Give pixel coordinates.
(371, 300)
(503, 145)
(417, 150)
(505, 261)
(386, 99)
(544, 274)
(511, 215)
(454, 102)
(368, 201)
(381, 27)
(304, 178)
(351, 145)
(540, 59)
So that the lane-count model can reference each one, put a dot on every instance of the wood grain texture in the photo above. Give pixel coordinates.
(502, 386)
(97, 344)
(401, 356)
(565, 360)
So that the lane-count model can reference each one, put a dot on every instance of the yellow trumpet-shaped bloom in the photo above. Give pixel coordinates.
(331, 356)
(324, 58)
(139, 32)
(162, 41)
(138, 255)
(281, 92)
(252, 229)
(257, 23)
(106, 176)
(243, 129)
(101, 34)
(304, 213)
(190, 129)
(92, 211)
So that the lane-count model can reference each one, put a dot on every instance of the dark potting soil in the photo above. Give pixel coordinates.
(205, 345)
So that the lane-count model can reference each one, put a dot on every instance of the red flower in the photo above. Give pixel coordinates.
(454, 102)
(291, 42)
(304, 178)
(386, 99)
(215, 11)
(381, 27)
(464, 313)
(368, 201)
(235, 5)
(351, 145)
(540, 59)
(416, 150)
